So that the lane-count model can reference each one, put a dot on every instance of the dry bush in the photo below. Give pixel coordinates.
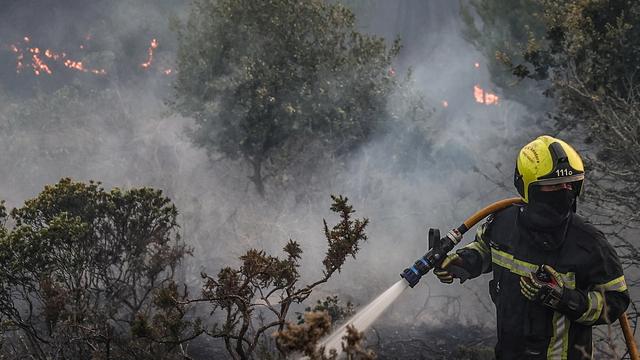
(304, 338)
(255, 298)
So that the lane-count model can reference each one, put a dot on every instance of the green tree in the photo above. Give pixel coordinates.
(267, 80)
(82, 266)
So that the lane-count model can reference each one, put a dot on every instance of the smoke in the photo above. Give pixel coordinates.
(116, 129)
(470, 166)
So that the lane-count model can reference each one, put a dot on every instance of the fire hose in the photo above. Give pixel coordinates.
(440, 247)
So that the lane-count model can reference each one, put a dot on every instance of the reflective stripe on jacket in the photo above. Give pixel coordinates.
(586, 262)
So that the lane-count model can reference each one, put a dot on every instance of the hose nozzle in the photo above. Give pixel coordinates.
(414, 273)
(438, 249)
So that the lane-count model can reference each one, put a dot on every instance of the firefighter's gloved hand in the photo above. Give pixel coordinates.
(544, 286)
(442, 273)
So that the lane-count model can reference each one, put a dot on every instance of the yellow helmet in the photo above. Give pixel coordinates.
(547, 161)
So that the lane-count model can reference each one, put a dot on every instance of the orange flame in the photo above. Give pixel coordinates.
(485, 97)
(477, 65)
(52, 55)
(445, 103)
(19, 57)
(40, 59)
(491, 99)
(74, 65)
(39, 65)
(152, 47)
(78, 65)
(39, 56)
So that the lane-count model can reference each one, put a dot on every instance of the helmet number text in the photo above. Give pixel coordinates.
(564, 172)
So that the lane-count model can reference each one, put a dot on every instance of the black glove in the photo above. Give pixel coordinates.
(451, 268)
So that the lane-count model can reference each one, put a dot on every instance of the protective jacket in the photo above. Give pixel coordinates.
(507, 245)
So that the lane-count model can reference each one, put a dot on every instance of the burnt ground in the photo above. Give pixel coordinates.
(397, 342)
(429, 343)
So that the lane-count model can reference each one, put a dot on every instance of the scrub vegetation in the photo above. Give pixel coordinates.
(88, 273)
(80, 269)
(279, 91)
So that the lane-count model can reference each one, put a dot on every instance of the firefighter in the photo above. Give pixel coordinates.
(555, 275)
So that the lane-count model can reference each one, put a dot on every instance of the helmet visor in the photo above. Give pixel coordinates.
(560, 180)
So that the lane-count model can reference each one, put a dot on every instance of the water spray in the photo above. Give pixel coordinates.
(438, 249)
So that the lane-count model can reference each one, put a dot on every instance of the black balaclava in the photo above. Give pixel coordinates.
(547, 214)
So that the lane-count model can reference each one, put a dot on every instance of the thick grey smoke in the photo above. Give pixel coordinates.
(116, 130)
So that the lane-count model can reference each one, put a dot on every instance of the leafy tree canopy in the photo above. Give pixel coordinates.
(265, 80)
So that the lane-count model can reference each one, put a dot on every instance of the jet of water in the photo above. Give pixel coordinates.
(365, 317)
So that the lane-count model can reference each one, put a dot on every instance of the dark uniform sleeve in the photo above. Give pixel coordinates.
(606, 297)
(476, 256)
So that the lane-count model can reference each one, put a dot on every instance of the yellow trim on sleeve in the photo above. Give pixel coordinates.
(617, 284)
(594, 308)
